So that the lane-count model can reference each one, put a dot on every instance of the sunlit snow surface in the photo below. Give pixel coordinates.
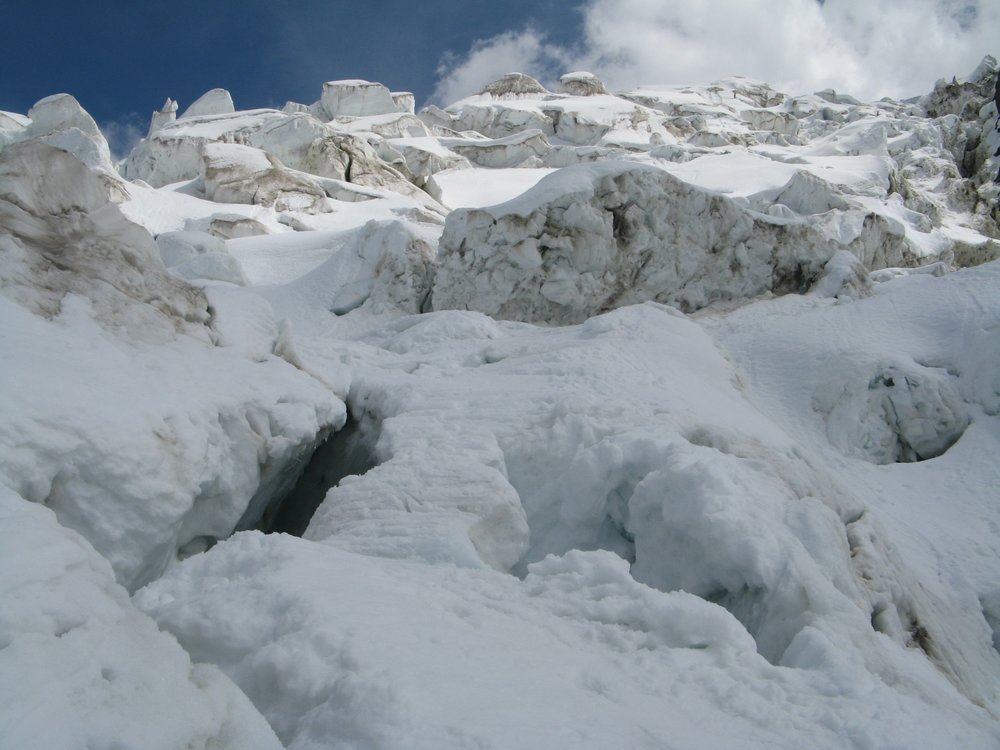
(770, 522)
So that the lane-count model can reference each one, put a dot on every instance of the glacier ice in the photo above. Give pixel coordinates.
(673, 420)
(593, 237)
(355, 98)
(212, 102)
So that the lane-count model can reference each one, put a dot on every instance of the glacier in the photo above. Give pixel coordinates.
(663, 417)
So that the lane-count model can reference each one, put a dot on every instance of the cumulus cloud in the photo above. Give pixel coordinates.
(488, 60)
(869, 48)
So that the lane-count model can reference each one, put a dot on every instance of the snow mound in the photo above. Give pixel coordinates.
(71, 639)
(770, 522)
(151, 451)
(329, 659)
(907, 413)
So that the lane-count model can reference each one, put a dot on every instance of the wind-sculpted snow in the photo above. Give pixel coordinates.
(591, 238)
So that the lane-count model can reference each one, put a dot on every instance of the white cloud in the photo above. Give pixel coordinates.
(869, 48)
(488, 60)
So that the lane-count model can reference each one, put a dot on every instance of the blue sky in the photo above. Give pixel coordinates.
(122, 59)
(116, 55)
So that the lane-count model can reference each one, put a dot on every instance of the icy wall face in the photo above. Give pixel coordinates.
(592, 238)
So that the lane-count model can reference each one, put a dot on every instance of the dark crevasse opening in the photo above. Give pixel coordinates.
(349, 451)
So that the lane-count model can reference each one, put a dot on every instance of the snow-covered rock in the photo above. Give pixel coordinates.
(62, 235)
(767, 119)
(496, 120)
(844, 277)
(393, 125)
(404, 101)
(172, 153)
(427, 156)
(520, 149)
(304, 143)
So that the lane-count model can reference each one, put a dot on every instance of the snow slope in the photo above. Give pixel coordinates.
(657, 418)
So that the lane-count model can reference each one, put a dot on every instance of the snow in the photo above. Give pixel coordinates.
(160, 439)
(656, 418)
(396, 654)
(463, 188)
(174, 208)
(69, 633)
